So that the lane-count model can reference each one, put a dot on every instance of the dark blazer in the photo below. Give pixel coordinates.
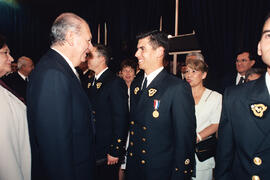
(161, 147)
(60, 125)
(17, 83)
(244, 137)
(227, 81)
(110, 109)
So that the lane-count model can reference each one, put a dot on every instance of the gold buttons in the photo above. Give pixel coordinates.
(117, 147)
(176, 169)
(143, 151)
(131, 143)
(143, 161)
(143, 139)
(132, 122)
(185, 172)
(257, 161)
(130, 154)
(132, 132)
(187, 161)
(255, 177)
(118, 140)
(144, 128)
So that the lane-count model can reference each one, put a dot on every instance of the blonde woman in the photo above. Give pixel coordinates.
(208, 105)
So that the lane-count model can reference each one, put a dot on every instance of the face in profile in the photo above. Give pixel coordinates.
(145, 54)
(28, 67)
(264, 44)
(128, 74)
(95, 60)
(82, 43)
(5, 60)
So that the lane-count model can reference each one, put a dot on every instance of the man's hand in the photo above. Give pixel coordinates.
(112, 160)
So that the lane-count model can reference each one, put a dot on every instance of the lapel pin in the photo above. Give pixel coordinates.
(151, 92)
(136, 90)
(258, 109)
(89, 85)
(98, 85)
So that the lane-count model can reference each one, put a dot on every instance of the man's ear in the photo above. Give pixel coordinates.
(259, 50)
(160, 51)
(70, 38)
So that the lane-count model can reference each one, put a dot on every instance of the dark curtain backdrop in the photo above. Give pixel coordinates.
(223, 27)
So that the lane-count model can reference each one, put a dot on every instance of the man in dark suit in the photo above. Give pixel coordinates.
(243, 150)
(108, 95)
(244, 61)
(163, 123)
(18, 80)
(59, 113)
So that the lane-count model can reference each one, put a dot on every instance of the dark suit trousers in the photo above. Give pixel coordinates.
(107, 172)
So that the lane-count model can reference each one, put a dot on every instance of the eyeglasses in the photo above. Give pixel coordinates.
(241, 60)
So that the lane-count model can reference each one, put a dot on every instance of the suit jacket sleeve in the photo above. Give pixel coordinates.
(53, 124)
(225, 148)
(119, 105)
(184, 123)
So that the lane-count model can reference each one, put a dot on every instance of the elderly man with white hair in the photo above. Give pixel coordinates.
(18, 80)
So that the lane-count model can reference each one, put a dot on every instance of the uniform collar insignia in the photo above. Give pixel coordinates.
(99, 85)
(258, 109)
(151, 92)
(89, 85)
(136, 90)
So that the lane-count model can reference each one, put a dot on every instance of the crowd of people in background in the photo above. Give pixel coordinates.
(71, 117)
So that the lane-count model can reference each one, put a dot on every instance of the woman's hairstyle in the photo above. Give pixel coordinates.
(129, 63)
(197, 65)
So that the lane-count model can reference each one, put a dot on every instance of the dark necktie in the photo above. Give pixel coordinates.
(144, 84)
(94, 82)
(241, 81)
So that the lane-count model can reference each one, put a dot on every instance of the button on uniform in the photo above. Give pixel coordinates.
(257, 161)
(255, 177)
(143, 161)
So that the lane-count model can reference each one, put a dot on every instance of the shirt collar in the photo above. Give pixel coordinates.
(99, 74)
(68, 61)
(267, 80)
(152, 75)
(238, 78)
(23, 76)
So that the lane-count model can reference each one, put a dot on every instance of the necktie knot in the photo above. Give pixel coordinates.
(241, 81)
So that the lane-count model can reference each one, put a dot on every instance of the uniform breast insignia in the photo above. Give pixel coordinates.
(156, 106)
(88, 85)
(98, 85)
(136, 90)
(258, 109)
(151, 92)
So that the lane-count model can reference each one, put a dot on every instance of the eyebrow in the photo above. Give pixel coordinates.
(266, 31)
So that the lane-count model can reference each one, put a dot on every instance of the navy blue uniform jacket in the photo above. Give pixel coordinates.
(161, 146)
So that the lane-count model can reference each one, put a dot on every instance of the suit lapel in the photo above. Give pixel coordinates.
(259, 108)
(66, 68)
(151, 93)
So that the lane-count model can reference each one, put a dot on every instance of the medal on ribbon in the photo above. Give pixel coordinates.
(156, 106)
